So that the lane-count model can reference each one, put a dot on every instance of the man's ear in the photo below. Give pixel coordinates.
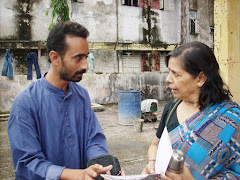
(202, 78)
(54, 57)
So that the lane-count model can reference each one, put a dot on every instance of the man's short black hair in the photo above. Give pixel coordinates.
(56, 40)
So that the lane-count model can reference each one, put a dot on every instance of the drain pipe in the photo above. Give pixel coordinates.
(117, 29)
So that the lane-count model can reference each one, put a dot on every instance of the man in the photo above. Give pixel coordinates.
(53, 132)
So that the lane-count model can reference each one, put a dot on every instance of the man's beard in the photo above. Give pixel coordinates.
(64, 75)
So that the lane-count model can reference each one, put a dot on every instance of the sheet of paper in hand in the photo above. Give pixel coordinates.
(132, 177)
(164, 153)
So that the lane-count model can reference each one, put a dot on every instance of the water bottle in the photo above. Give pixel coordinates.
(176, 162)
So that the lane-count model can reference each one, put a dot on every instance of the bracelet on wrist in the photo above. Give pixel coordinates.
(151, 160)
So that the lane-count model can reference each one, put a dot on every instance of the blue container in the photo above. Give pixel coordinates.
(129, 106)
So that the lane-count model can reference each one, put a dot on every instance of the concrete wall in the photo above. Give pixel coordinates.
(105, 61)
(165, 24)
(151, 84)
(103, 84)
(102, 88)
(10, 88)
(204, 20)
(109, 23)
(99, 17)
(8, 27)
(40, 21)
(23, 21)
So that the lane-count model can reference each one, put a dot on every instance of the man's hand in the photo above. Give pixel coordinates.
(122, 172)
(85, 174)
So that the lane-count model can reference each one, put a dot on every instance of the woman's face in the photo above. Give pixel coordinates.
(183, 85)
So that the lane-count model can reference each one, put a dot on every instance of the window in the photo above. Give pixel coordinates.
(131, 62)
(169, 5)
(192, 22)
(163, 67)
(150, 60)
(130, 3)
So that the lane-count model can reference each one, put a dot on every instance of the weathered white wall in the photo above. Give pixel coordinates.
(205, 20)
(170, 23)
(41, 21)
(129, 23)
(107, 22)
(99, 17)
(203, 23)
(10, 88)
(105, 19)
(103, 85)
(102, 88)
(108, 85)
(7, 20)
(167, 23)
(105, 61)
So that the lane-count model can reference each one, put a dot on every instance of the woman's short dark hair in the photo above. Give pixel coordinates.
(56, 40)
(197, 57)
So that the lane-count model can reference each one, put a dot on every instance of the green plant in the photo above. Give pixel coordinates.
(60, 12)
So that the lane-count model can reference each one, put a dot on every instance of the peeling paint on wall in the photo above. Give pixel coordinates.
(150, 32)
(23, 19)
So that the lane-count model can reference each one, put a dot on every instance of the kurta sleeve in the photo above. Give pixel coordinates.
(96, 142)
(28, 158)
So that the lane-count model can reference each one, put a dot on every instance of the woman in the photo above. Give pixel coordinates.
(205, 124)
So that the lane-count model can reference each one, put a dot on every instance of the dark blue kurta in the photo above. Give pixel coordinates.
(49, 131)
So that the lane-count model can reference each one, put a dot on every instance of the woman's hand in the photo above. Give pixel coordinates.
(149, 168)
(152, 153)
(122, 172)
(185, 175)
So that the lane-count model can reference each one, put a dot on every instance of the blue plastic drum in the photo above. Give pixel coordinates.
(129, 106)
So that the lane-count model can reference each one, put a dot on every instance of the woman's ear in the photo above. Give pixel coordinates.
(202, 78)
(54, 57)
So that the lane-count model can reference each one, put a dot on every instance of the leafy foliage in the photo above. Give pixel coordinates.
(60, 12)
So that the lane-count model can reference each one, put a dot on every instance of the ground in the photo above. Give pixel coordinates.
(128, 146)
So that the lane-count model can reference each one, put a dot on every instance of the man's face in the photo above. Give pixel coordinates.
(74, 63)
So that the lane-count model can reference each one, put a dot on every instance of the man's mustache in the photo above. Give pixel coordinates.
(81, 72)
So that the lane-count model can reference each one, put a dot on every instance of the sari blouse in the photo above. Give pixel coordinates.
(210, 141)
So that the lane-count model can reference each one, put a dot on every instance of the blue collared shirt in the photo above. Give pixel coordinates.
(49, 131)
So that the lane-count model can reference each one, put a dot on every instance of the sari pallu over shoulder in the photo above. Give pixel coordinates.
(211, 141)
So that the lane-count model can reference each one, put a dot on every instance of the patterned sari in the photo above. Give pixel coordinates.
(210, 141)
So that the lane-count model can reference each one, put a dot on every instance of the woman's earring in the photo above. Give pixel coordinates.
(199, 84)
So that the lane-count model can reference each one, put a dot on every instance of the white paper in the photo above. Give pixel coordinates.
(132, 177)
(164, 153)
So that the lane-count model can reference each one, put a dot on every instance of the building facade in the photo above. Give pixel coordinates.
(128, 40)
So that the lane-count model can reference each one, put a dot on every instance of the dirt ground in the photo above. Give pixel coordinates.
(128, 146)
